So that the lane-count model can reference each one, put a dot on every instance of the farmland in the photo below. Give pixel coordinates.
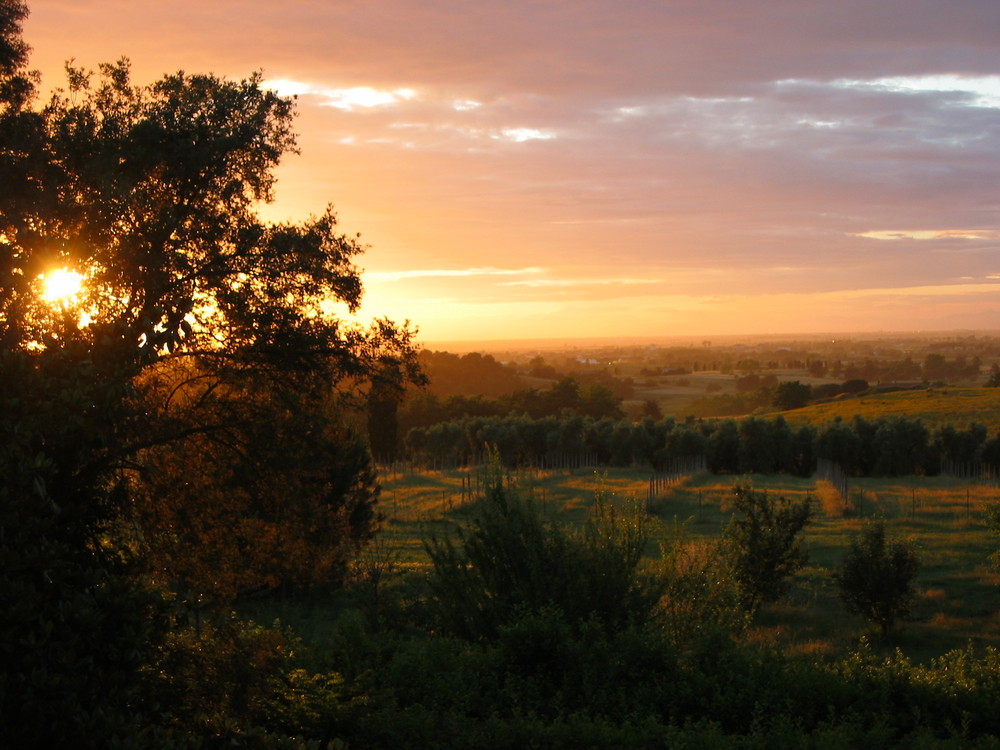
(802, 672)
(958, 594)
(935, 406)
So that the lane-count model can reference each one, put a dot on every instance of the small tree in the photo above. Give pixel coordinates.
(876, 577)
(764, 545)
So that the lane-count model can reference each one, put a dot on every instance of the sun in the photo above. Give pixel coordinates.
(61, 285)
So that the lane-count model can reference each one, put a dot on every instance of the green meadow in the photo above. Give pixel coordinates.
(958, 594)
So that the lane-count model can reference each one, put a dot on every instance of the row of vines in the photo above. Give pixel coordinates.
(890, 446)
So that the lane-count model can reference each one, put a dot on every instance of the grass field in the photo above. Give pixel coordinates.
(958, 594)
(676, 393)
(956, 405)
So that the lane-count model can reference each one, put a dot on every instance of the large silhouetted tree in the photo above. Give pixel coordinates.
(197, 362)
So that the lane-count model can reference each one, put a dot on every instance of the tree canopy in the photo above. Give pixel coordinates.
(193, 405)
(150, 192)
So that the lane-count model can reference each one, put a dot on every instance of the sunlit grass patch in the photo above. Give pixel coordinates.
(814, 649)
(769, 635)
(935, 406)
(945, 621)
(933, 594)
(830, 500)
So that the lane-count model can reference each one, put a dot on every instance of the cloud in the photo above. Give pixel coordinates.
(346, 99)
(957, 291)
(364, 96)
(626, 155)
(520, 135)
(437, 119)
(449, 273)
(565, 283)
(974, 91)
(932, 234)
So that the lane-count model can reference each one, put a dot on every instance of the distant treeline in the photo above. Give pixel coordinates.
(454, 374)
(481, 374)
(889, 446)
(567, 395)
(877, 367)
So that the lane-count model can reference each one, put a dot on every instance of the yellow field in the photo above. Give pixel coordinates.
(957, 405)
(950, 405)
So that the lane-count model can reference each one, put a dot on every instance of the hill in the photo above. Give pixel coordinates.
(935, 406)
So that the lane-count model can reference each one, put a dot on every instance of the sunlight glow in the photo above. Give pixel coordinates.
(61, 285)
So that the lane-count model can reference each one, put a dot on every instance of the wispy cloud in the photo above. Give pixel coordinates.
(449, 273)
(566, 283)
(519, 135)
(931, 234)
(929, 290)
(439, 115)
(978, 91)
(347, 99)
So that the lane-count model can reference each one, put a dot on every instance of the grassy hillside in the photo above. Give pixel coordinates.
(948, 405)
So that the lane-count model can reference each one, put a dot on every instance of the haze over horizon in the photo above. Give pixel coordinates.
(619, 169)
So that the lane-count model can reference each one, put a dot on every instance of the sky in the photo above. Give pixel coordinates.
(616, 168)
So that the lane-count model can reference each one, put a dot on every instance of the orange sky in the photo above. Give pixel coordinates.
(547, 169)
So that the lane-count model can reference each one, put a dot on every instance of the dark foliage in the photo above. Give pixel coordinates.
(754, 445)
(765, 544)
(791, 394)
(467, 375)
(192, 376)
(512, 562)
(875, 579)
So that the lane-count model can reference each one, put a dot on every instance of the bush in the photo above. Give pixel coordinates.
(700, 599)
(514, 561)
(225, 670)
(764, 545)
(876, 578)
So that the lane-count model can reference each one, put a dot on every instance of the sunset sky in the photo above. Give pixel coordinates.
(554, 169)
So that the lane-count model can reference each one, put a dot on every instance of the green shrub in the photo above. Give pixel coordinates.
(764, 545)
(512, 560)
(700, 595)
(875, 579)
